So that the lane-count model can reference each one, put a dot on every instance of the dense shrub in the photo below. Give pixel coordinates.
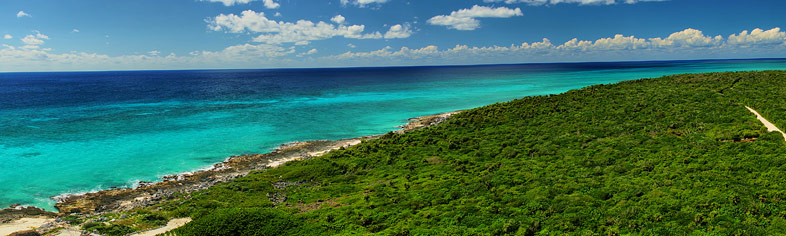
(108, 229)
(242, 221)
(678, 155)
(155, 219)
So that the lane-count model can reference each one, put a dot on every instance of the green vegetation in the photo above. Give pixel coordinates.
(678, 155)
(107, 229)
(73, 220)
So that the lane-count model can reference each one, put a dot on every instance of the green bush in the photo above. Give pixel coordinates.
(241, 221)
(677, 155)
(73, 220)
(108, 229)
(155, 219)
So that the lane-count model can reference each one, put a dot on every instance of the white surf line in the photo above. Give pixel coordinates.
(770, 127)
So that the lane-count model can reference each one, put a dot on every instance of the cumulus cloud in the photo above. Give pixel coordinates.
(270, 4)
(685, 44)
(682, 44)
(758, 37)
(618, 42)
(21, 14)
(338, 19)
(386, 52)
(686, 39)
(362, 3)
(34, 40)
(247, 51)
(432, 51)
(278, 32)
(8, 36)
(466, 19)
(580, 2)
(398, 31)
(75, 31)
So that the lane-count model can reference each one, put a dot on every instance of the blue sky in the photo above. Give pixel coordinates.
(64, 35)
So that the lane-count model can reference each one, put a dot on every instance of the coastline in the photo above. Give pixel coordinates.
(150, 193)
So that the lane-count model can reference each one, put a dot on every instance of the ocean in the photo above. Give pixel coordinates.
(75, 132)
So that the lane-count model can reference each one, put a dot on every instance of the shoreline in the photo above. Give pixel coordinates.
(149, 193)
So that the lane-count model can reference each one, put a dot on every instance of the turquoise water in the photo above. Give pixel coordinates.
(80, 132)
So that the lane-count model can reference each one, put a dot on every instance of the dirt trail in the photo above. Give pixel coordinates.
(770, 127)
(174, 223)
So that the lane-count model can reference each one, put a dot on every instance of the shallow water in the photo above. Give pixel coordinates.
(76, 132)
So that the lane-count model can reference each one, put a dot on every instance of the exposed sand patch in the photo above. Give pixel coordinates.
(23, 224)
(173, 224)
(338, 144)
(770, 127)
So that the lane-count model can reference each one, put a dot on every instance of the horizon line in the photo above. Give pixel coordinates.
(408, 66)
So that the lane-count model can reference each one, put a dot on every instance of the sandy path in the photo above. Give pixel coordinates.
(770, 127)
(174, 223)
(23, 224)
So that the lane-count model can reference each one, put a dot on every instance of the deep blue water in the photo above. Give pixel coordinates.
(70, 132)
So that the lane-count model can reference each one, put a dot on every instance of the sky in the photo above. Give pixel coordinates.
(88, 35)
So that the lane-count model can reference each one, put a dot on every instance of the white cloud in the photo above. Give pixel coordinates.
(757, 37)
(688, 38)
(244, 56)
(274, 32)
(338, 19)
(618, 42)
(75, 31)
(351, 45)
(8, 36)
(432, 51)
(270, 4)
(466, 19)
(231, 2)
(249, 51)
(309, 52)
(580, 2)
(22, 14)
(34, 40)
(688, 44)
(362, 3)
(154, 53)
(398, 31)
(685, 44)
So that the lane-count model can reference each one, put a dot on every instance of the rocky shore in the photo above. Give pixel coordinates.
(147, 193)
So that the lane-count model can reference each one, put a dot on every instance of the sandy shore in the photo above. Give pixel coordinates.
(147, 194)
(24, 224)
